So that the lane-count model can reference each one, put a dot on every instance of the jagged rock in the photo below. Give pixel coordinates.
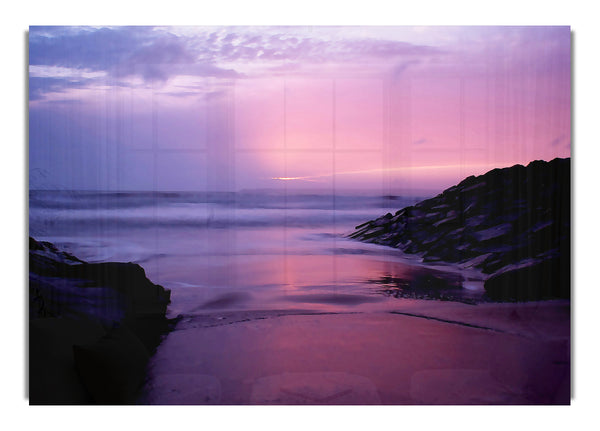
(78, 305)
(506, 217)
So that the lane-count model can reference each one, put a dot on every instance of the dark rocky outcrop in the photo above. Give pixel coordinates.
(512, 223)
(92, 328)
(549, 278)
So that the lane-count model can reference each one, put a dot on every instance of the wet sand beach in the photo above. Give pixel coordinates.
(411, 352)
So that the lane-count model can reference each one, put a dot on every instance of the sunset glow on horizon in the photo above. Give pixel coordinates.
(388, 170)
(230, 108)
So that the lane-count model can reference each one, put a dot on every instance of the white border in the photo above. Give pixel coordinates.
(13, 168)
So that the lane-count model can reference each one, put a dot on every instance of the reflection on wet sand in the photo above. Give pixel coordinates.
(279, 280)
(419, 283)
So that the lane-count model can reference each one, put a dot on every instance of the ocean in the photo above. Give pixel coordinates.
(247, 250)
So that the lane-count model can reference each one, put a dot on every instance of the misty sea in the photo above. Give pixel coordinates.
(245, 250)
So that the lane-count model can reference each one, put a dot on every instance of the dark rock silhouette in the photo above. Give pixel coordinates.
(92, 328)
(512, 223)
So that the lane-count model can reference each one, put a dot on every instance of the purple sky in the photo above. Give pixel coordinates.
(393, 109)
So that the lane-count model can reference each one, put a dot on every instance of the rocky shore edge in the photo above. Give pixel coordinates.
(92, 328)
(512, 224)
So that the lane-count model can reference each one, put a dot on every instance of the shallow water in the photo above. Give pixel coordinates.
(247, 250)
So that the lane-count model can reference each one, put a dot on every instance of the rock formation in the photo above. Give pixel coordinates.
(92, 328)
(512, 223)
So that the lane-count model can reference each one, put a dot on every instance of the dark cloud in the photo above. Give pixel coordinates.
(120, 52)
(38, 86)
(399, 68)
(560, 140)
(100, 49)
(157, 55)
(230, 37)
(167, 50)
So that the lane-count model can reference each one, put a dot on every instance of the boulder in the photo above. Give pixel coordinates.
(86, 317)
